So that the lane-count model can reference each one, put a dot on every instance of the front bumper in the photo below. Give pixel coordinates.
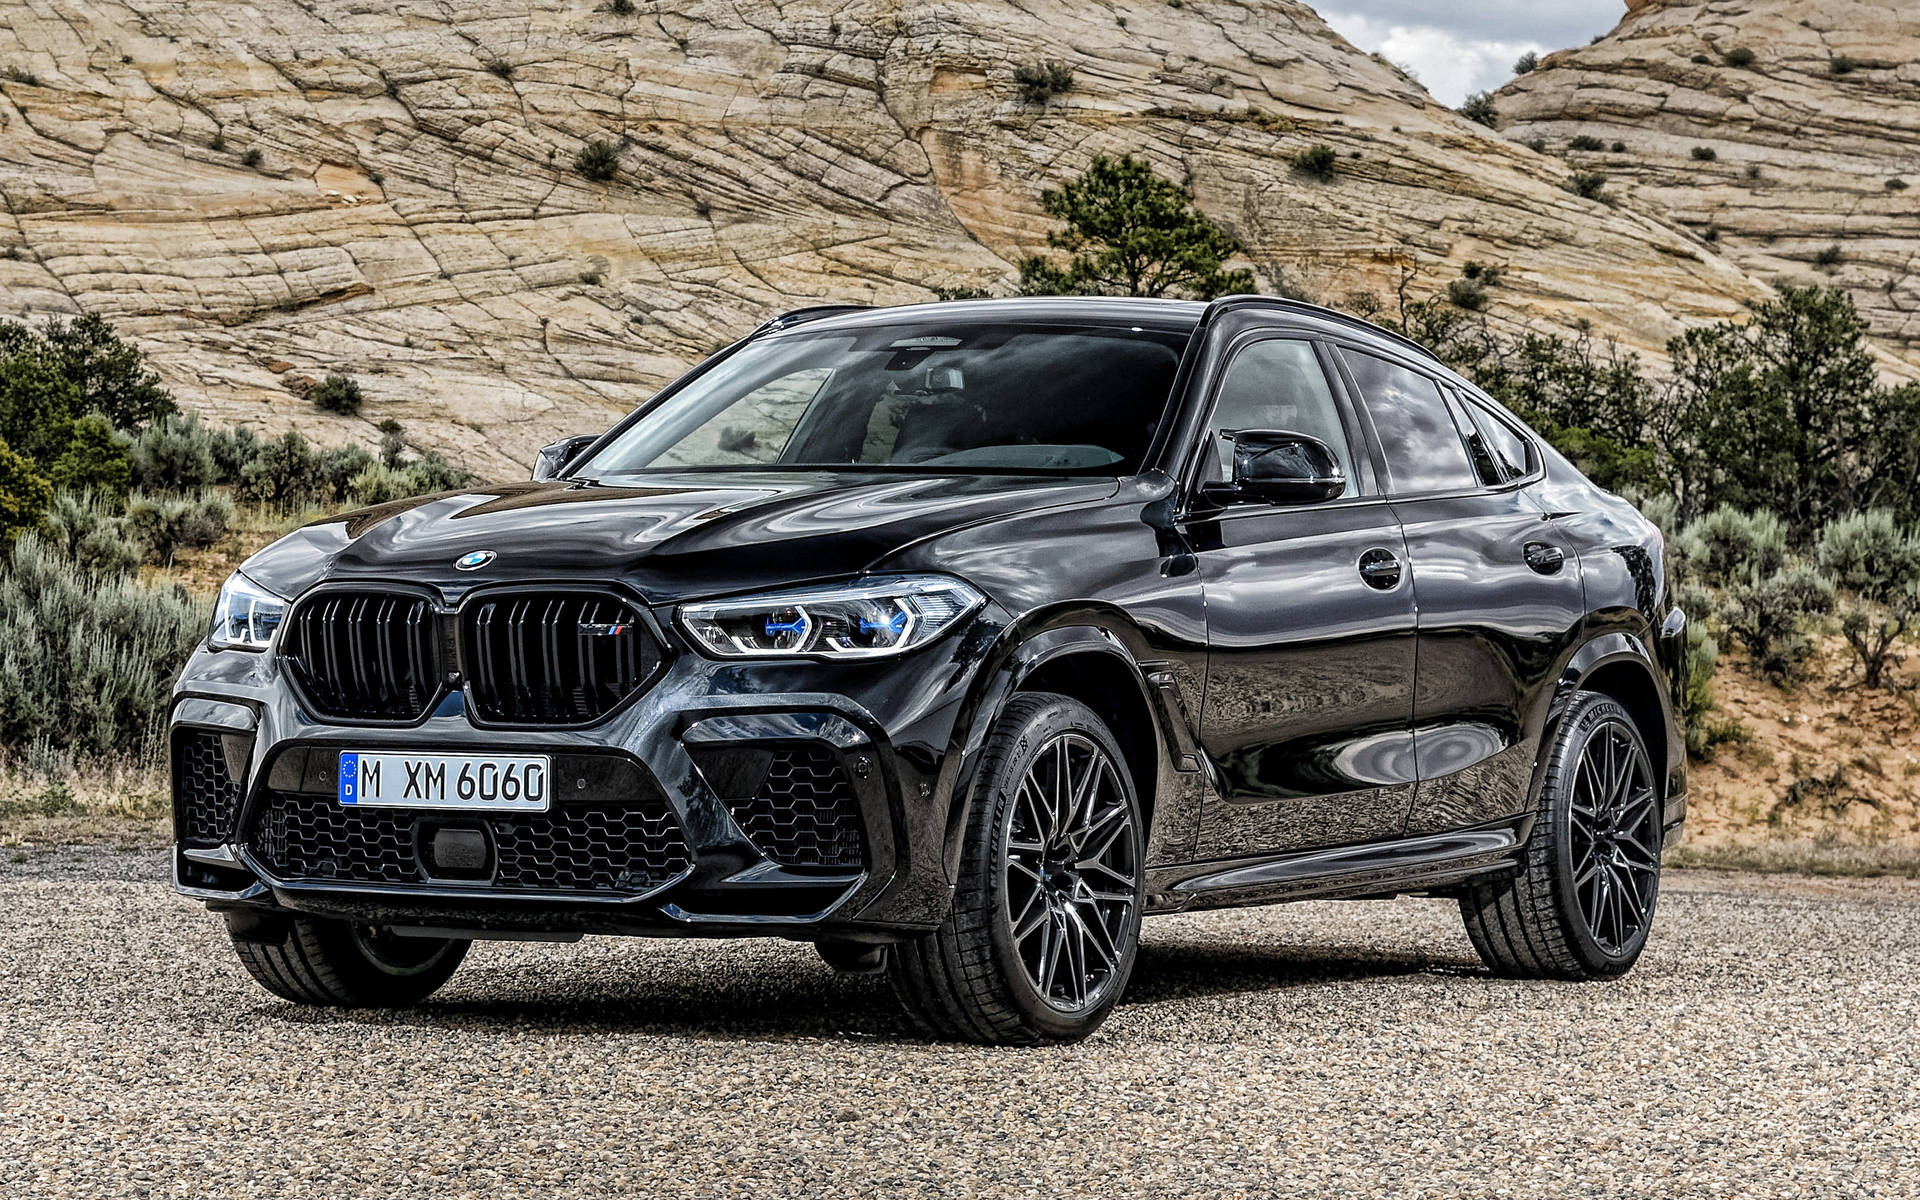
(802, 799)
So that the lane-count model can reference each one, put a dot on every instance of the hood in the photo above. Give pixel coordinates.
(679, 537)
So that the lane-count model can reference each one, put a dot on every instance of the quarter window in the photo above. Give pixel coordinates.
(1512, 450)
(1423, 448)
(1276, 384)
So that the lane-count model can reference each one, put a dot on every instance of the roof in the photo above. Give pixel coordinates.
(1165, 314)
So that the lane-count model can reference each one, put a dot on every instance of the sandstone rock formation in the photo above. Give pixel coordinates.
(264, 192)
(1800, 163)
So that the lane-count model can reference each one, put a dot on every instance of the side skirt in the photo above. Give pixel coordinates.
(1372, 870)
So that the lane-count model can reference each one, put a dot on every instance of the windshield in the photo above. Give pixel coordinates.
(932, 396)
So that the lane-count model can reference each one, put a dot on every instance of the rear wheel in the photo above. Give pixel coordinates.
(312, 960)
(1582, 906)
(1046, 919)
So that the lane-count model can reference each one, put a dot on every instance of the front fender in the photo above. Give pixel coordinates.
(1025, 647)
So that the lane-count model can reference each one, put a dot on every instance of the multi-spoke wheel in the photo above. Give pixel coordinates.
(1583, 904)
(1072, 871)
(1046, 918)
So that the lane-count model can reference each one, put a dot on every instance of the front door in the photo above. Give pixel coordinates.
(1306, 721)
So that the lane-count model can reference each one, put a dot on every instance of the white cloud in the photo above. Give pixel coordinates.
(1452, 67)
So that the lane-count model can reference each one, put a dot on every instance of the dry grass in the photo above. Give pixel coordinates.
(115, 804)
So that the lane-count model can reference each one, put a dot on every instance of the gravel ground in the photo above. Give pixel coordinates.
(1765, 1047)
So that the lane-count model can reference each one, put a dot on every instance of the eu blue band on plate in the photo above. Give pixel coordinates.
(349, 777)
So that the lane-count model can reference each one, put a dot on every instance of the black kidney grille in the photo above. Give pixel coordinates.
(804, 813)
(366, 656)
(600, 849)
(553, 658)
(205, 795)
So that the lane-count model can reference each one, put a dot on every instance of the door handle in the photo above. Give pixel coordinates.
(1545, 558)
(1380, 569)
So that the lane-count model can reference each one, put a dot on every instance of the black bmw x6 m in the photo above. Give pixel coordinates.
(955, 639)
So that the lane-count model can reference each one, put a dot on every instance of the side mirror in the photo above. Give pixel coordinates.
(1277, 467)
(553, 459)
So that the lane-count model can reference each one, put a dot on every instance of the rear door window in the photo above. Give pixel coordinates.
(1422, 445)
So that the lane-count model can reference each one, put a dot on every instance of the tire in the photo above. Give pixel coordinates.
(1583, 902)
(341, 965)
(1045, 924)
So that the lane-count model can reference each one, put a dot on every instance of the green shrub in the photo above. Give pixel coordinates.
(1828, 256)
(232, 450)
(1042, 81)
(337, 393)
(1767, 613)
(1896, 185)
(87, 664)
(285, 473)
(1701, 59)
(1876, 563)
(501, 67)
(620, 8)
(1479, 109)
(163, 525)
(1697, 704)
(597, 160)
(24, 494)
(381, 483)
(337, 469)
(91, 532)
(1586, 142)
(1619, 147)
(175, 455)
(1468, 293)
(1525, 63)
(95, 460)
(1316, 161)
(1727, 544)
(1840, 64)
(1588, 185)
(1705, 154)
(23, 76)
(1740, 56)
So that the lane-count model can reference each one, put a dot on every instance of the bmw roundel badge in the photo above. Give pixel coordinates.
(474, 561)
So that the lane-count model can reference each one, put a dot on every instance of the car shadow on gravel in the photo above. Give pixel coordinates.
(804, 1000)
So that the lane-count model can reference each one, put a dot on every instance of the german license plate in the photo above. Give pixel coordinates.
(471, 781)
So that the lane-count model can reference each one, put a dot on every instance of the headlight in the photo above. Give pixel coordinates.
(246, 615)
(869, 619)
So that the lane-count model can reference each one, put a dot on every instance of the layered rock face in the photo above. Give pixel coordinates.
(1787, 132)
(264, 192)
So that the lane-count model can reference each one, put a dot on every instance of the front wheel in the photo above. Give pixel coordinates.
(1582, 905)
(312, 960)
(1045, 923)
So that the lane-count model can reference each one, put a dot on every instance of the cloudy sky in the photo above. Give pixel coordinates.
(1467, 47)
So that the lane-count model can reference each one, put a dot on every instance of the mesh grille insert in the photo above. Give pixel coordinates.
(204, 794)
(804, 813)
(599, 849)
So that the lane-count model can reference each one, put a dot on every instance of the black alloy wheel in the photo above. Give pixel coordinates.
(1045, 924)
(1072, 870)
(1582, 904)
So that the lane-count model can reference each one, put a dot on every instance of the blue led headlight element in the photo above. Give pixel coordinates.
(246, 616)
(870, 618)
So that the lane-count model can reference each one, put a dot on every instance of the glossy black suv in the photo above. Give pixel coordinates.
(954, 639)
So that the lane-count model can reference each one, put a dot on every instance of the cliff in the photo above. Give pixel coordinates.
(261, 193)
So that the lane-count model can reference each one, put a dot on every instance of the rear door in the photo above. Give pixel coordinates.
(1497, 585)
(1306, 719)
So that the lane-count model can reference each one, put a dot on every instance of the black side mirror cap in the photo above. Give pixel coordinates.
(1277, 466)
(553, 459)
